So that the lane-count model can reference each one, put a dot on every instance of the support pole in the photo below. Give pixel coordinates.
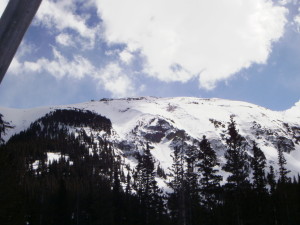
(14, 23)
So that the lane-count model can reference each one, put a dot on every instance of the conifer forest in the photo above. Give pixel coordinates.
(91, 185)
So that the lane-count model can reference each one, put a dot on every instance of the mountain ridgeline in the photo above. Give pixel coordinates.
(150, 161)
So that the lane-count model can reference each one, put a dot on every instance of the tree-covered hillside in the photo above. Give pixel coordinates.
(64, 169)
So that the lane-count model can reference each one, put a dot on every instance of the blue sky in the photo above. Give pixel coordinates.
(79, 50)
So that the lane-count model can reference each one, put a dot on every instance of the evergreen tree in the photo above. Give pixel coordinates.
(258, 164)
(146, 186)
(117, 197)
(176, 200)
(237, 160)
(128, 184)
(210, 181)
(177, 170)
(191, 186)
(138, 176)
(238, 166)
(258, 196)
(271, 179)
(160, 172)
(283, 178)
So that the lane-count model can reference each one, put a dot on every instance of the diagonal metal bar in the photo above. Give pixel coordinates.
(14, 23)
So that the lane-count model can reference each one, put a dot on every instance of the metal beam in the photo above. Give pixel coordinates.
(14, 23)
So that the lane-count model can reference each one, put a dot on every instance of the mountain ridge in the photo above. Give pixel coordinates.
(162, 121)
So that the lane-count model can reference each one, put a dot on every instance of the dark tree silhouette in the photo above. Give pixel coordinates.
(283, 171)
(271, 179)
(149, 194)
(177, 201)
(258, 164)
(209, 181)
(237, 159)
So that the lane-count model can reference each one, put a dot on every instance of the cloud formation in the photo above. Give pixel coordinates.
(59, 66)
(297, 20)
(126, 56)
(175, 40)
(116, 81)
(181, 40)
(65, 40)
(111, 77)
(62, 16)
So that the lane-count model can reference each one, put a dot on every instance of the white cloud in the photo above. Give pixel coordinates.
(112, 52)
(180, 39)
(65, 39)
(287, 2)
(111, 78)
(17, 67)
(284, 2)
(115, 81)
(61, 15)
(297, 21)
(126, 56)
(58, 67)
(3, 4)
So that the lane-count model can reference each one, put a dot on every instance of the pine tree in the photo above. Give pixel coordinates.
(258, 164)
(282, 169)
(177, 170)
(237, 160)
(117, 196)
(148, 171)
(210, 181)
(271, 179)
(149, 194)
(160, 172)
(138, 177)
(191, 186)
(117, 188)
(258, 196)
(238, 166)
(128, 184)
(176, 200)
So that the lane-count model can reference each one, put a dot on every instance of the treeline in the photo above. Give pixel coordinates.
(251, 194)
(89, 184)
(78, 118)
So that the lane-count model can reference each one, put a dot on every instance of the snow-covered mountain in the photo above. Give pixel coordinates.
(165, 122)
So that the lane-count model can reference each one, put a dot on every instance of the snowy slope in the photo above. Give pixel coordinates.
(158, 121)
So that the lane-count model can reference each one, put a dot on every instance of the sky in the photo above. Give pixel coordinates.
(82, 50)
